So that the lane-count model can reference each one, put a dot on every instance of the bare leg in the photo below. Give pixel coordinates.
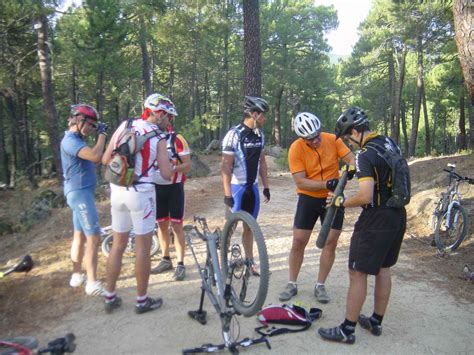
(179, 243)
(383, 287)
(164, 237)
(300, 240)
(114, 261)
(328, 254)
(92, 247)
(77, 251)
(247, 241)
(142, 262)
(356, 294)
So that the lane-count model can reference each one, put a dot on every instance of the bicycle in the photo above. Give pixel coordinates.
(231, 286)
(107, 238)
(450, 221)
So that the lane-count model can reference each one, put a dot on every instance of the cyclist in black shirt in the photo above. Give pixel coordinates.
(243, 160)
(378, 233)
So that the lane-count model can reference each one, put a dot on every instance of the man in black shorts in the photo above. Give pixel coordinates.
(170, 197)
(378, 233)
(314, 164)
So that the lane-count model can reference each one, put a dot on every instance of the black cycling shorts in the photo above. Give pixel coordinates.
(170, 202)
(309, 209)
(377, 239)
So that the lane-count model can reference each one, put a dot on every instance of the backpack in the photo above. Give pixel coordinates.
(120, 169)
(287, 314)
(400, 173)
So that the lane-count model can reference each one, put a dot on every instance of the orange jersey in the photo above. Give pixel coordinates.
(318, 164)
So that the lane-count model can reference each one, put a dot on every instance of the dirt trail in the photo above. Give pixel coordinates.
(421, 318)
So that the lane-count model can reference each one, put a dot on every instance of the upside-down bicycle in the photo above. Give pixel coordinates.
(450, 220)
(231, 285)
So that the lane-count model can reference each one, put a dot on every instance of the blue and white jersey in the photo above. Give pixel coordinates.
(246, 147)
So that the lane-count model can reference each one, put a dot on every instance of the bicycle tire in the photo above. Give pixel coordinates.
(107, 245)
(240, 299)
(449, 240)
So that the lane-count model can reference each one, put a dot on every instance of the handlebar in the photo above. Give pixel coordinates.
(459, 177)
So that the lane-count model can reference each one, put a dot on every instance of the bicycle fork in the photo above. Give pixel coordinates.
(448, 214)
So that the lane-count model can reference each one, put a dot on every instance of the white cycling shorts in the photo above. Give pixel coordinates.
(130, 208)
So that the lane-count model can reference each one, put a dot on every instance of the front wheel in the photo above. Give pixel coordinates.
(450, 233)
(246, 262)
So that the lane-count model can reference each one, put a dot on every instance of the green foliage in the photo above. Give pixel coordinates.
(195, 51)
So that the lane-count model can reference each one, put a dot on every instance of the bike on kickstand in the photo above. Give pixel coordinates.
(231, 281)
(450, 221)
(25, 345)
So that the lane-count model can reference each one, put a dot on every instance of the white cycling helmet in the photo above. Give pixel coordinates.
(158, 102)
(307, 125)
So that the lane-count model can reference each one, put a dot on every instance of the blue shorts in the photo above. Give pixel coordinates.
(246, 199)
(84, 213)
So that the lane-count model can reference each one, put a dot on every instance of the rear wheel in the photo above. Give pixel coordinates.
(450, 233)
(130, 251)
(248, 290)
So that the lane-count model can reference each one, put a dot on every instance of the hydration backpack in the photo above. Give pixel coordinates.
(120, 170)
(400, 173)
(287, 314)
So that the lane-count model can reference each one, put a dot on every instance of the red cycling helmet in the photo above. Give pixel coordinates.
(86, 110)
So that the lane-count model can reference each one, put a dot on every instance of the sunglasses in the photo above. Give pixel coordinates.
(311, 139)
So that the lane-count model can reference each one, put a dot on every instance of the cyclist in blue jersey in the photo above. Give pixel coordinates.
(243, 159)
(79, 163)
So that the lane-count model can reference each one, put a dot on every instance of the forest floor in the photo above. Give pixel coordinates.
(430, 310)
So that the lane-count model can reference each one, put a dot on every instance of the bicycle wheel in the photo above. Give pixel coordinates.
(449, 238)
(155, 244)
(130, 251)
(106, 244)
(248, 290)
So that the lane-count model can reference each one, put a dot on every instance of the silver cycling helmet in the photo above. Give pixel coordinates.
(307, 125)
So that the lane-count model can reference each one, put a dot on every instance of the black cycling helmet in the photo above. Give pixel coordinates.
(353, 117)
(86, 110)
(253, 103)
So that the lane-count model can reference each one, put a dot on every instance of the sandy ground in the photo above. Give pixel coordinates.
(421, 318)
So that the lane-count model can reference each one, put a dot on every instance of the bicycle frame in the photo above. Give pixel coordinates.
(221, 300)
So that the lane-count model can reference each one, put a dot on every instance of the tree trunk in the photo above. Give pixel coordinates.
(277, 121)
(146, 72)
(225, 124)
(463, 11)
(171, 81)
(427, 124)
(74, 98)
(47, 88)
(4, 171)
(393, 90)
(404, 128)
(252, 59)
(398, 95)
(462, 122)
(417, 108)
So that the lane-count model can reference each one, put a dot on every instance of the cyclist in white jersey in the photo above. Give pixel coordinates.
(134, 206)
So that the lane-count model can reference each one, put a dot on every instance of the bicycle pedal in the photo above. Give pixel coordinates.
(200, 316)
